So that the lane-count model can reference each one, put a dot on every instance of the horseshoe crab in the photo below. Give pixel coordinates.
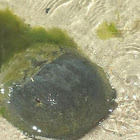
(63, 100)
(49, 90)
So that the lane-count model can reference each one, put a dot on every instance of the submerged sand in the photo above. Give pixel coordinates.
(119, 56)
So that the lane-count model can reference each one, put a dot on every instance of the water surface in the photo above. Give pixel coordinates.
(118, 55)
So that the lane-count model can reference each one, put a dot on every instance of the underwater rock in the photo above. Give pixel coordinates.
(64, 100)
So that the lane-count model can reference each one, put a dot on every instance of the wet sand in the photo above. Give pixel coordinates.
(119, 57)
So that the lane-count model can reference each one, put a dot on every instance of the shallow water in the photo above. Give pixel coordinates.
(118, 56)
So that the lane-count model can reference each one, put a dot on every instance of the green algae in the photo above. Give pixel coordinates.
(107, 31)
(53, 36)
(13, 36)
(2, 111)
(16, 36)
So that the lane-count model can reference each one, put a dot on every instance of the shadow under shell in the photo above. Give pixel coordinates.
(64, 100)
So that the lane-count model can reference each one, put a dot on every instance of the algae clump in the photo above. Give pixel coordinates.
(16, 36)
(2, 111)
(107, 31)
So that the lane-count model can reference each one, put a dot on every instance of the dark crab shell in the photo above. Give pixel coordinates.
(64, 100)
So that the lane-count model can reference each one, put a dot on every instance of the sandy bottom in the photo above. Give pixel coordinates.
(119, 57)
